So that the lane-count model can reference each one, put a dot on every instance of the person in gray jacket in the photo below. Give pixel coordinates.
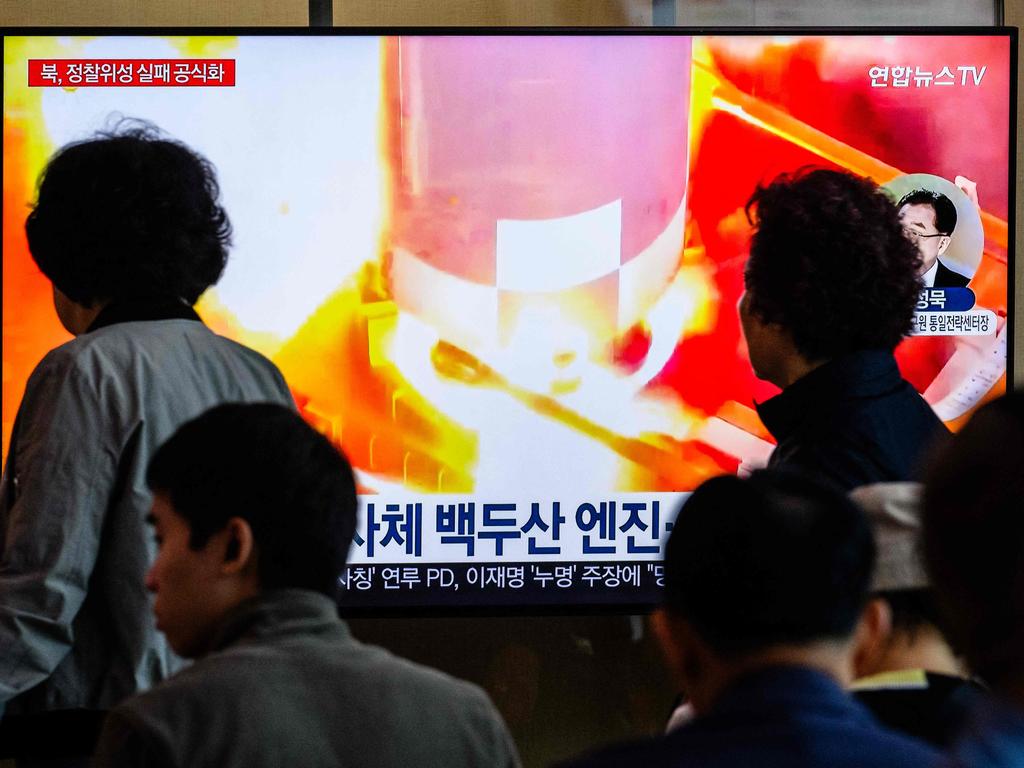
(254, 513)
(129, 229)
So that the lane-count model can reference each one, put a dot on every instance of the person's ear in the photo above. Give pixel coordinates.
(662, 624)
(944, 242)
(680, 646)
(871, 637)
(238, 546)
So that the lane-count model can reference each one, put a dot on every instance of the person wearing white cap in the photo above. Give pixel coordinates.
(908, 674)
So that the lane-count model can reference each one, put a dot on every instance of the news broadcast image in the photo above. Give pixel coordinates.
(501, 271)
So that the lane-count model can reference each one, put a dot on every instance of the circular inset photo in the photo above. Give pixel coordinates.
(944, 223)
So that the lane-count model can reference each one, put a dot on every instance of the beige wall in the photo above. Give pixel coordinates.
(781, 13)
(584, 13)
(130, 13)
(346, 12)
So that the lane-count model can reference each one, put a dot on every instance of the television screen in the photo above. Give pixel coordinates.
(501, 270)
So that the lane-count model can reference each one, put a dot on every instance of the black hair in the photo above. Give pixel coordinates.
(773, 559)
(973, 536)
(129, 214)
(945, 211)
(264, 464)
(830, 263)
(913, 610)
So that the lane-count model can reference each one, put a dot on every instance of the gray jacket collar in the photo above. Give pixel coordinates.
(277, 613)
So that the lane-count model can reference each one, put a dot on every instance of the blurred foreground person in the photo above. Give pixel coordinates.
(831, 286)
(907, 672)
(129, 229)
(973, 518)
(254, 513)
(765, 581)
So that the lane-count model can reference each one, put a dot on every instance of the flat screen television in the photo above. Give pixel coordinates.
(500, 269)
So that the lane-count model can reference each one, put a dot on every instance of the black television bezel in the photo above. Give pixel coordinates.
(602, 609)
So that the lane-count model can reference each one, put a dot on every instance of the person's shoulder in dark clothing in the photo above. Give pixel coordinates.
(947, 278)
(993, 737)
(926, 705)
(851, 748)
(791, 717)
(854, 421)
(664, 753)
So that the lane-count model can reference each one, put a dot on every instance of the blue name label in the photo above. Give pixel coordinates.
(945, 300)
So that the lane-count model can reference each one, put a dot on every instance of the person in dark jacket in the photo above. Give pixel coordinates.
(766, 579)
(831, 286)
(973, 544)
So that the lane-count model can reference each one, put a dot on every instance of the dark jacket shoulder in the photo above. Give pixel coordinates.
(854, 421)
(787, 716)
(947, 278)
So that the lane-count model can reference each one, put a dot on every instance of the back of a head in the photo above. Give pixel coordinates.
(264, 464)
(774, 559)
(830, 263)
(129, 214)
(973, 533)
(894, 512)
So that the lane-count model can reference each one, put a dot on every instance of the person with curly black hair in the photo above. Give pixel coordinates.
(128, 219)
(831, 286)
(129, 229)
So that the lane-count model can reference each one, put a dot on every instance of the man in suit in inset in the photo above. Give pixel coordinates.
(929, 219)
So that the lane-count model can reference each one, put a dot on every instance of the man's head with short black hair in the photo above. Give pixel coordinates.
(945, 211)
(912, 612)
(759, 572)
(928, 219)
(773, 559)
(247, 499)
(973, 535)
(129, 214)
(264, 464)
(830, 268)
